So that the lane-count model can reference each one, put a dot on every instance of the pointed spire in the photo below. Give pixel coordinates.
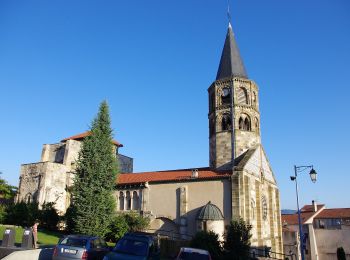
(231, 63)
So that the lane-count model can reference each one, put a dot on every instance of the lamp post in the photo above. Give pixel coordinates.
(313, 176)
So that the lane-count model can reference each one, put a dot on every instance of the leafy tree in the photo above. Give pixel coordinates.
(208, 241)
(123, 223)
(136, 222)
(341, 253)
(3, 213)
(117, 229)
(22, 214)
(237, 244)
(48, 216)
(95, 178)
(7, 191)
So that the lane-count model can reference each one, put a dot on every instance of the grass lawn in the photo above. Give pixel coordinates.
(44, 237)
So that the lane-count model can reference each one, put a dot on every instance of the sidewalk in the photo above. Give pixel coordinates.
(34, 254)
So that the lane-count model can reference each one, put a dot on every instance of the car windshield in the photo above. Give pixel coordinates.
(132, 247)
(193, 256)
(73, 241)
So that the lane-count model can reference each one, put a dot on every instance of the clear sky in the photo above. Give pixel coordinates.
(153, 62)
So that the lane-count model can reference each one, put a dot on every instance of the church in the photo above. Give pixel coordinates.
(239, 181)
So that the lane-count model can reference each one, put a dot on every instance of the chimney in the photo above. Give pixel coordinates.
(194, 173)
(314, 205)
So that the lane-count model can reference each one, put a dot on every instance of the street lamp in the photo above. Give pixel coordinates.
(313, 176)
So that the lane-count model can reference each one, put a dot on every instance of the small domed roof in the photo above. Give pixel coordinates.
(210, 212)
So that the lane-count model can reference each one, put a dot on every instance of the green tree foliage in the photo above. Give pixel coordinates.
(341, 253)
(117, 229)
(208, 241)
(49, 217)
(124, 223)
(237, 244)
(95, 178)
(22, 214)
(136, 222)
(7, 191)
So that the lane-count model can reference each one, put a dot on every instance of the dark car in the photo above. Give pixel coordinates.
(80, 247)
(135, 246)
(189, 253)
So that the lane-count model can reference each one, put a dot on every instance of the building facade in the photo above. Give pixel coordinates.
(50, 179)
(239, 182)
(324, 231)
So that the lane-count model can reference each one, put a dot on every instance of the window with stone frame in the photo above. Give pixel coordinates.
(242, 96)
(128, 200)
(135, 200)
(28, 198)
(225, 96)
(226, 123)
(244, 123)
(121, 200)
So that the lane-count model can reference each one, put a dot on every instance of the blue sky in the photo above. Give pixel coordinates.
(153, 62)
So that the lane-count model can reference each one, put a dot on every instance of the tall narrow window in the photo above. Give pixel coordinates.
(242, 96)
(226, 122)
(226, 96)
(135, 201)
(247, 126)
(240, 123)
(128, 200)
(121, 200)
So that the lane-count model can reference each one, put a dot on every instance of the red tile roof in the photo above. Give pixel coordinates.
(334, 213)
(310, 208)
(81, 136)
(170, 176)
(306, 213)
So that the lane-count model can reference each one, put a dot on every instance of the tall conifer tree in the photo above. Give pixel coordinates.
(92, 195)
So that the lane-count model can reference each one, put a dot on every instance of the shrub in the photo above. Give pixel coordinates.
(117, 228)
(48, 216)
(123, 223)
(208, 241)
(22, 214)
(237, 244)
(136, 222)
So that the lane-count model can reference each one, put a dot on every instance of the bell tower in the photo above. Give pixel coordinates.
(234, 118)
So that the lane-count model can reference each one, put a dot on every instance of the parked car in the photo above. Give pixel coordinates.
(135, 246)
(188, 253)
(80, 247)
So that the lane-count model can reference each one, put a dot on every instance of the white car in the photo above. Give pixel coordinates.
(188, 253)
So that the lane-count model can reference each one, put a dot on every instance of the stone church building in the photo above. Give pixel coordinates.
(239, 181)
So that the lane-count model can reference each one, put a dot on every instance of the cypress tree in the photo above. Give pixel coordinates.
(94, 181)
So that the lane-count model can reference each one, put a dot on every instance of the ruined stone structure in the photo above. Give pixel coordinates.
(50, 179)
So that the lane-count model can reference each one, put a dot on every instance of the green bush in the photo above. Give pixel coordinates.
(208, 241)
(123, 223)
(117, 228)
(237, 244)
(136, 222)
(22, 214)
(3, 213)
(48, 216)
